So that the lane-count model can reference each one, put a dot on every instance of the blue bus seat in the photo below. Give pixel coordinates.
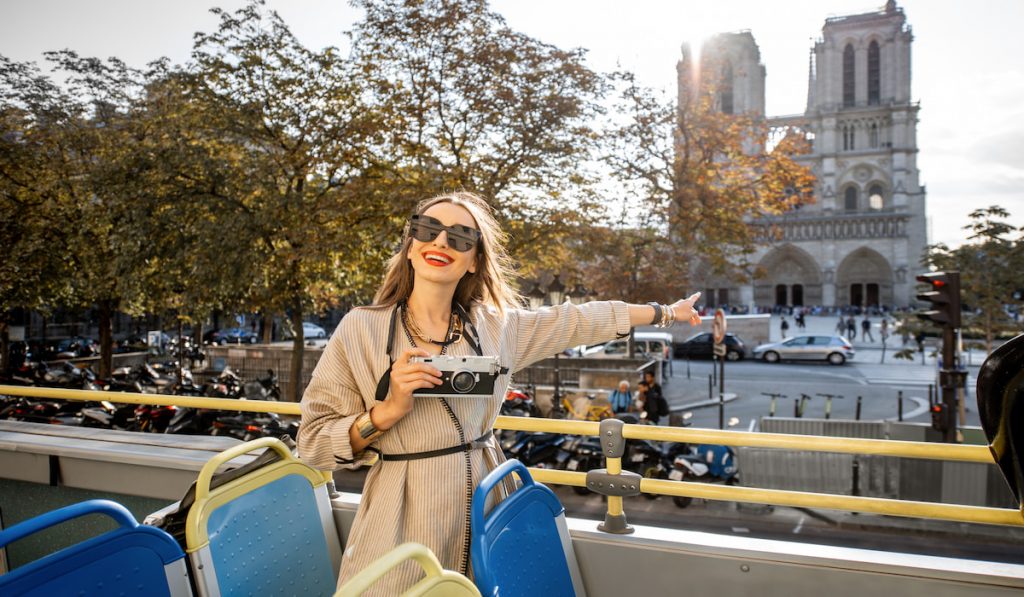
(269, 532)
(437, 583)
(522, 546)
(130, 560)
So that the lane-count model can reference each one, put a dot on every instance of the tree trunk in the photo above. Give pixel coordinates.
(268, 327)
(5, 343)
(181, 352)
(298, 346)
(106, 308)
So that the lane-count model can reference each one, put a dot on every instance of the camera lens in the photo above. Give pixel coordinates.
(463, 381)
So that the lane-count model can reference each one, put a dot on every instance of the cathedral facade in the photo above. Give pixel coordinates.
(860, 243)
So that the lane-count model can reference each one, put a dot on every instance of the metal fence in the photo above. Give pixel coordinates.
(586, 373)
(251, 362)
(967, 483)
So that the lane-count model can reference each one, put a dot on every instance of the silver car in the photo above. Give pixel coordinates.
(834, 349)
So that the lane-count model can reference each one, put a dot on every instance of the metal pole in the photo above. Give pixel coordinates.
(949, 383)
(711, 388)
(721, 374)
(714, 368)
(899, 400)
(857, 416)
(931, 395)
(721, 410)
(687, 365)
(557, 397)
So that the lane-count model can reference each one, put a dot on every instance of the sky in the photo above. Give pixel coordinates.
(967, 73)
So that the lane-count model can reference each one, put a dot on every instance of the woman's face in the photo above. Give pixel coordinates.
(436, 261)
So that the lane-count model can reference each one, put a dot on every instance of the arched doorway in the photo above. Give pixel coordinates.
(789, 277)
(798, 295)
(864, 279)
(781, 295)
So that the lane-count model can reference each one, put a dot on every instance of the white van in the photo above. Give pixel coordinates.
(654, 344)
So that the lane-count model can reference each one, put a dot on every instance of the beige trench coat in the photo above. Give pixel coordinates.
(426, 500)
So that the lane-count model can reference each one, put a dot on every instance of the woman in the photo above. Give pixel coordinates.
(621, 398)
(446, 291)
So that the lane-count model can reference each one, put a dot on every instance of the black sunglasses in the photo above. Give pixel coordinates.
(425, 229)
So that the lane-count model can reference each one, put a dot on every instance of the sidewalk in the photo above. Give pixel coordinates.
(868, 351)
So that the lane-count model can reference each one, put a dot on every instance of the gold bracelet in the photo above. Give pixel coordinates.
(367, 430)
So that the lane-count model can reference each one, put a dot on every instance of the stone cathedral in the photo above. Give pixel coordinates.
(860, 242)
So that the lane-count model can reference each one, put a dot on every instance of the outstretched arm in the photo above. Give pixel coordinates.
(539, 334)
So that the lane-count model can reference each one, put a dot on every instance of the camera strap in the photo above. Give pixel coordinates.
(384, 383)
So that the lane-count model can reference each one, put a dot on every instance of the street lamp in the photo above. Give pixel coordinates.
(554, 295)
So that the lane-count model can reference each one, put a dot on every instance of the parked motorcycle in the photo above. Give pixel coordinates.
(538, 449)
(706, 463)
(584, 454)
(519, 403)
(264, 388)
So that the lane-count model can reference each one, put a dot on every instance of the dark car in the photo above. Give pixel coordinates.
(76, 347)
(700, 346)
(230, 336)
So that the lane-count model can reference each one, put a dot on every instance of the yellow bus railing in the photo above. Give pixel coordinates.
(904, 449)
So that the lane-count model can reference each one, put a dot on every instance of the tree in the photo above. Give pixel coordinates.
(33, 273)
(474, 105)
(989, 264)
(301, 137)
(702, 176)
(85, 177)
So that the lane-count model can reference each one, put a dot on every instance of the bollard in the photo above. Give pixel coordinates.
(899, 399)
(687, 365)
(711, 388)
(857, 416)
(855, 490)
(931, 395)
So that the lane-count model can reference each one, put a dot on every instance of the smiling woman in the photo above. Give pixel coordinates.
(446, 296)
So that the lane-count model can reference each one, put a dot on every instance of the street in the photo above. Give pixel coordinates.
(878, 383)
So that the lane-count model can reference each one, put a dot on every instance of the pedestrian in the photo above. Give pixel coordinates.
(865, 327)
(841, 325)
(621, 398)
(851, 328)
(801, 321)
(446, 291)
(654, 404)
(784, 326)
(883, 329)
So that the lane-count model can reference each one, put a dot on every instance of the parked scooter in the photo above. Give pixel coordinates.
(519, 403)
(584, 454)
(264, 388)
(706, 463)
(538, 449)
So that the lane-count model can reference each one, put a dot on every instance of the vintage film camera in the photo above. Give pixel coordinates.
(470, 376)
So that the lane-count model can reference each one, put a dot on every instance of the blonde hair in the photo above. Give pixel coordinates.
(489, 285)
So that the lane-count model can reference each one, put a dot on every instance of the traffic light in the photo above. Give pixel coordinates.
(939, 417)
(944, 295)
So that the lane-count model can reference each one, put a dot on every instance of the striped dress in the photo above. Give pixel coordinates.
(426, 500)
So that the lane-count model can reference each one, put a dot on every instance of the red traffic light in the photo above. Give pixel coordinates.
(943, 296)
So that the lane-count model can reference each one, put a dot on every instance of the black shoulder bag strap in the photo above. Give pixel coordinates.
(384, 383)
